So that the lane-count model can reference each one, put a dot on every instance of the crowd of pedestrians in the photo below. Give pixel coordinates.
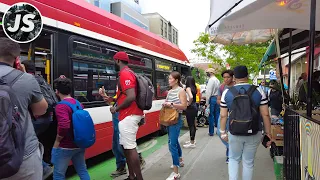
(43, 109)
(38, 108)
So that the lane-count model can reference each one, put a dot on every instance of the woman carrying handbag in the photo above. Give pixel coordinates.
(170, 116)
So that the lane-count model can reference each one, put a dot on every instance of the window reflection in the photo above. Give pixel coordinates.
(139, 61)
(89, 77)
(162, 84)
(86, 50)
(142, 72)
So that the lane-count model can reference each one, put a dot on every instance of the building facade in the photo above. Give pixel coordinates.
(133, 4)
(103, 4)
(127, 13)
(129, 10)
(162, 27)
(299, 65)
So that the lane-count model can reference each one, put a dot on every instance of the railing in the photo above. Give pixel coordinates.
(301, 146)
(292, 145)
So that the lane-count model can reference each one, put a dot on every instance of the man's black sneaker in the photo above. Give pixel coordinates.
(142, 163)
(119, 172)
(128, 178)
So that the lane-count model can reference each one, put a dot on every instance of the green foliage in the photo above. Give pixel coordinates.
(206, 49)
(202, 79)
(249, 54)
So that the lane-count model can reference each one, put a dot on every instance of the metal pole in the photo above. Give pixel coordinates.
(235, 5)
(281, 78)
(290, 54)
(311, 55)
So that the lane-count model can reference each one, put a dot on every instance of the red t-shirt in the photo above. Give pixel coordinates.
(127, 81)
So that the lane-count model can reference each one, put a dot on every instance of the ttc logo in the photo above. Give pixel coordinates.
(22, 22)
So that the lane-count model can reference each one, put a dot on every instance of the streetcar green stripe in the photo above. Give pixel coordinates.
(103, 170)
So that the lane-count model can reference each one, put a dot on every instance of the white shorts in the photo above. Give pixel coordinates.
(128, 128)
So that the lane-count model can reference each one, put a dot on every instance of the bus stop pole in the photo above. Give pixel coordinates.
(311, 55)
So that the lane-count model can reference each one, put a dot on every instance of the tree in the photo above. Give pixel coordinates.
(206, 49)
(199, 79)
(248, 54)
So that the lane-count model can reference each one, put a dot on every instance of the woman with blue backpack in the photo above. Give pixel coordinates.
(67, 146)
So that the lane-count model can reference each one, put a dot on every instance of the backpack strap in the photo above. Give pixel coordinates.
(74, 107)
(251, 90)
(11, 77)
(234, 91)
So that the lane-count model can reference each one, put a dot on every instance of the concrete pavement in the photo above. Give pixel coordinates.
(206, 162)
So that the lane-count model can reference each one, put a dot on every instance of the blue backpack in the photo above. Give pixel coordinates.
(83, 127)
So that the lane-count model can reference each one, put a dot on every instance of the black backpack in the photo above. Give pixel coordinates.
(12, 128)
(244, 114)
(43, 122)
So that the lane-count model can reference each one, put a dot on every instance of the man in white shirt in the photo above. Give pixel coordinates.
(212, 92)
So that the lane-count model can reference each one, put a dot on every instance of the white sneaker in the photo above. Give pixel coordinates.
(191, 146)
(174, 176)
(188, 142)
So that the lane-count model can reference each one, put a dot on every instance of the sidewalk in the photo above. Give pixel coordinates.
(206, 162)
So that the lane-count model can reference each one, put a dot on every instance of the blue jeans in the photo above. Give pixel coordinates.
(116, 147)
(242, 148)
(60, 159)
(214, 114)
(174, 145)
(219, 134)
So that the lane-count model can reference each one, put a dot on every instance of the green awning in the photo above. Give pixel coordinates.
(270, 51)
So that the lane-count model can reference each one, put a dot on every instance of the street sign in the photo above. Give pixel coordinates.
(273, 75)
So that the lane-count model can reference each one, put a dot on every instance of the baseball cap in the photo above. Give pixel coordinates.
(210, 70)
(240, 72)
(122, 56)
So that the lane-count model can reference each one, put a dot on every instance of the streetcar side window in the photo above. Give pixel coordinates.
(162, 84)
(92, 51)
(163, 70)
(89, 77)
(148, 74)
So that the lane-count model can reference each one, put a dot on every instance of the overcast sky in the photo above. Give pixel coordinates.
(189, 17)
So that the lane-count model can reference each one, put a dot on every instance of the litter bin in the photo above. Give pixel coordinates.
(278, 167)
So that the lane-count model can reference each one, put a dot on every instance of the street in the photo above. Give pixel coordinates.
(205, 162)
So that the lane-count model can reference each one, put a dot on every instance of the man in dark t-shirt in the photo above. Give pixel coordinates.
(243, 147)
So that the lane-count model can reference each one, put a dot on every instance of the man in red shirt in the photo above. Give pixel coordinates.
(129, 113)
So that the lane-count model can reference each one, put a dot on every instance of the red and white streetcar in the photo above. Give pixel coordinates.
(79, 40)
